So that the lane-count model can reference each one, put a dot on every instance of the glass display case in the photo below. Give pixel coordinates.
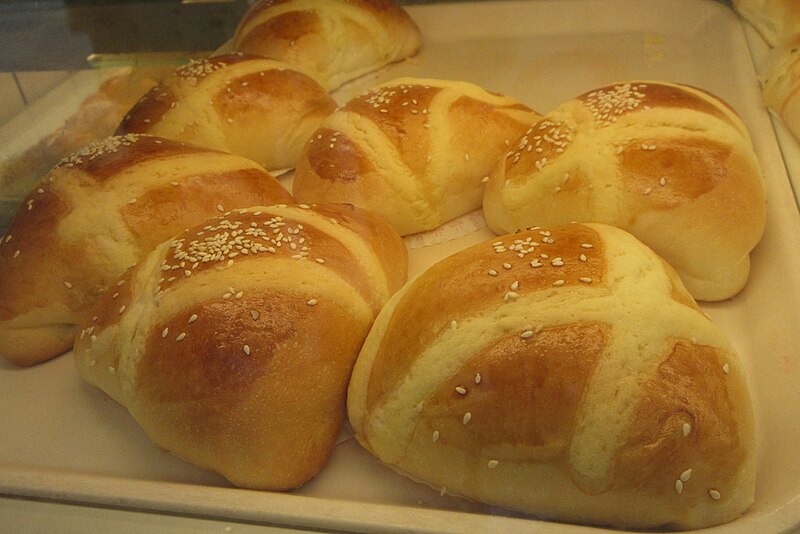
(71, 72)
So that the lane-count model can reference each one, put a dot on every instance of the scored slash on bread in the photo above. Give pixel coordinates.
(94, 215)
(671, 164)
(232, 343)
(563, 372)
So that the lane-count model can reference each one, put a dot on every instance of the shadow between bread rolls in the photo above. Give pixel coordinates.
(563, 372)
(232, 343)
(94, 215)
(671, 164)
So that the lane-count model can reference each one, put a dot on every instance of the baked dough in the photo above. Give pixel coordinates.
(563, 372)
(232, 344)
(671, 164)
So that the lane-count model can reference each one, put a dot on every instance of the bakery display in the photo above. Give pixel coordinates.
(407, 150)
(93, 216)
(671, 164)
(563, 372)
(258, 108)
(232, 343)
(773, 19)
(333, 40)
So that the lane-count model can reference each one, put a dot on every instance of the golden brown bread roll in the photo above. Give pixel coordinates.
(232, 344)
(408, 151)
(563, 372)
(671, 164)
(258, 108)
(93, 216)
(773, 19)
(333, 40)
(781, 86)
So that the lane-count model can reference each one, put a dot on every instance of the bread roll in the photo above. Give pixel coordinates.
(93, 216)
(773, 19)
(408, 150)
(562, 372)
(232, 344)
(333, 40)
(258, 108)
(781, 75)
(671, 164)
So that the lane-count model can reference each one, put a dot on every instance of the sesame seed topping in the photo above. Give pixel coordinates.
(246, 349)
(515, 285)
(687, 428)
(510, 295)
(491, 464)
(311, 302)
(435, 436)
(506, 266)
(714, 494)
(453, 325)
(686, 475)
(726, 368)
(467, 418)
(164, 332)
(220, 207)
(461, 390)
(558, 283)
(527, 334)
(648, 190)
(16, 254)
(193, 318)
(585, 279)
(586, 245)
(679, 486)
(477, 378)
(122, 308)
(255, 315)
(181, 336)
(583, 257)
(67, 285)
(662, 182)
(492, 272)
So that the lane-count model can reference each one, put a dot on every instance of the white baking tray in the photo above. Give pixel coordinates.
(62, 440)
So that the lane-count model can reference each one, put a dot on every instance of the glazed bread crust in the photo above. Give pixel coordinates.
(333, 40)
(247, 105)
(408, 150)
(93, 216)
(563, 372)
(671, 164)
(232, 344)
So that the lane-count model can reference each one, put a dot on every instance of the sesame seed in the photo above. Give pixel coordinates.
(453, 325)
(582, 257)
(467, 418)
(181, 336)
(461, 390)
(714, 494)
(239, 294)
(679, 486)
(491, 464)
(648, 190)
(419, 407)
(122, 308)
(255, 315)
(686, 429)
(686, 475)
(16, 254)
(586, 245)
(557, 262)
(164, 332)
(662, 182)
(435, 436)
(510, 296)
(246, 349)
(477, 378)
(527, 334)
(536, 263)
(506, 266)
(193, 318)
(585, 279)
(726, 368)
(492, 272)
(311, 302)
(67, 285)
(558, 283)
(515, 285)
